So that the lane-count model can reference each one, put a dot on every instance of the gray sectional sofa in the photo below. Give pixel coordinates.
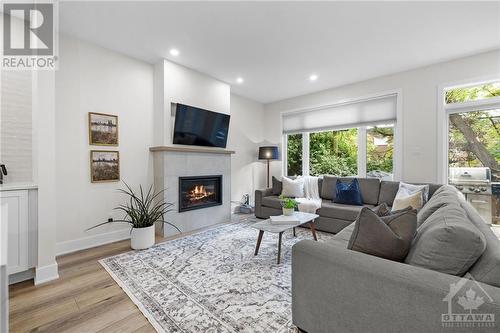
(335, 289)
(333, 217)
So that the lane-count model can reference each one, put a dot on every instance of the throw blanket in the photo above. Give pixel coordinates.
(312, 200)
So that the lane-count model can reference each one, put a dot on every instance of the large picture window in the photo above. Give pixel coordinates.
(339, 153)
(350, 138)
(333, 152)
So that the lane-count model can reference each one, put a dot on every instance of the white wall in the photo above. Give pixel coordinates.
(187, 86)
(420, 91)
(246, 134)
(93, 79)
(16, 118)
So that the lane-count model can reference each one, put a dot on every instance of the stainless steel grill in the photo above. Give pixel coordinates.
(475, 184)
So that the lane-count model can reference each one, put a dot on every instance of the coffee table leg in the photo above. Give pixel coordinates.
(294, 232)
(279, 246)
(313, 230)
(259, 239)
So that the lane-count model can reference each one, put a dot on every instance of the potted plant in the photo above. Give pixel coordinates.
(142, 212)
(288, 205)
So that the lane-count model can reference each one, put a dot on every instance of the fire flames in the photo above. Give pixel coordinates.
(199, 192)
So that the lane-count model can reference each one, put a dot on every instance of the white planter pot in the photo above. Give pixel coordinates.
(142, 238)
(288, 211)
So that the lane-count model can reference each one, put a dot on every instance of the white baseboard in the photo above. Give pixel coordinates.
(91, 241)
(46, 273)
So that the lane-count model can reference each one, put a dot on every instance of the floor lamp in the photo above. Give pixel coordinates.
(268, 153)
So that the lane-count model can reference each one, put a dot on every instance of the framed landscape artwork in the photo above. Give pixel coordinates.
(104, 166)
(103, 129)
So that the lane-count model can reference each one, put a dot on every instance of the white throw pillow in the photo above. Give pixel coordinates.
(406, 190)
(293, 188)
(414, 201)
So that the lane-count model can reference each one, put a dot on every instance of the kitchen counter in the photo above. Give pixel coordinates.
(18, 186)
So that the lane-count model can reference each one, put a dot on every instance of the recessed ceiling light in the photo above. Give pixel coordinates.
(239, 80)
(313, 77)
(174, 52)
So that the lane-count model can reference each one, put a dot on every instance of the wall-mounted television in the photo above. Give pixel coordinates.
(200, 127)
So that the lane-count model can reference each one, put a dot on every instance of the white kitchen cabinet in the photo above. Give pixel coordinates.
(18, 249)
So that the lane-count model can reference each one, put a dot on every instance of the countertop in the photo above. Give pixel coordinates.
(18, 186)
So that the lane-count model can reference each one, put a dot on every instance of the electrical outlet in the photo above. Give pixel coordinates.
(110, 219)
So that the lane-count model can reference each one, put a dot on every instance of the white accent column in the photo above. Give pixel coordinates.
(44, 108)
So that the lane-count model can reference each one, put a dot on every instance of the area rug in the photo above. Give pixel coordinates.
(211, 281)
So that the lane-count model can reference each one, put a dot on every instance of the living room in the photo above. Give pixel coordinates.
(250, 166)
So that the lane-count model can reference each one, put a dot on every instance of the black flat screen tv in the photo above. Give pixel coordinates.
(200, 127)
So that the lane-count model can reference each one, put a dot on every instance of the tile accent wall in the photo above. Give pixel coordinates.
(16, 128)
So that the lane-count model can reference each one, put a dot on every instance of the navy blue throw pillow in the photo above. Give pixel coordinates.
(348, 193)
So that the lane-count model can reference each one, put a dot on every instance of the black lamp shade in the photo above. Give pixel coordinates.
(268, 153)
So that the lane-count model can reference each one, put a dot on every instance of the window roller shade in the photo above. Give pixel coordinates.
(345, 115)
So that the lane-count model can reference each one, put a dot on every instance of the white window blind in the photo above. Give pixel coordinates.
(343, 115)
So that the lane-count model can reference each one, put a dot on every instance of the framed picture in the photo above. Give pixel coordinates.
(104, 166)
(103, 129)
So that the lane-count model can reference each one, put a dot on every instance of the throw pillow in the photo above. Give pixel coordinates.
(348, 193)
(293, 188)
(447, 242)
(382, 209)
(277, 186)
(406, 189)
(388, 237)
(414, 200)
(445, 195)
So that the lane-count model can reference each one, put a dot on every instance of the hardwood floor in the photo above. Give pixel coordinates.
(84, 299)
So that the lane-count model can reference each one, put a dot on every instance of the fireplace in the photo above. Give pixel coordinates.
(199, 192)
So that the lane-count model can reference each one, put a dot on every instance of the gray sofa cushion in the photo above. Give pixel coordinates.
(277, 186)
(446, 195)
(345, 235)
(447, 242)
(388, 237)
(369, 188)
(339, 211)
(487, 267)
(389, 189)
(272, 201)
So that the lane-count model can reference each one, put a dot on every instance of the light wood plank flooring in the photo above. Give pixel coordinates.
(84, 299)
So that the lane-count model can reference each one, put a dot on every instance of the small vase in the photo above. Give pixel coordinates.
(288, 211)
(142, 238)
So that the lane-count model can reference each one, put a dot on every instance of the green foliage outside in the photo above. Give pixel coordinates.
(380, 157)
(477, 141)
(336, 152)
(294, 154)
(333, 153)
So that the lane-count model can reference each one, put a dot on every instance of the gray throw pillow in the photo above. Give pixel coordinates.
(447, 242)
(445, 195)
(386, 237)
(382, 209)
(277, 186)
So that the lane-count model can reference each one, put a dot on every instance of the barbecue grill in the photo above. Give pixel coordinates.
(475, 184)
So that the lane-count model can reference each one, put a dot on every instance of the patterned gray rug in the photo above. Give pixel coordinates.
(211, 281)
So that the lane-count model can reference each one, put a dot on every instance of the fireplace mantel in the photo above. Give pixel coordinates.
(189, 149)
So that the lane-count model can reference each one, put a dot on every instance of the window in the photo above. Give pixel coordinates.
(333, 153)
(337, 152)
(380, 151)
(474, 134)
(472, 93)
(472, 140)
(294, 155)
(349, 138)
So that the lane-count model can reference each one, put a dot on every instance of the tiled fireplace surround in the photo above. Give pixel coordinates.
(172, 162)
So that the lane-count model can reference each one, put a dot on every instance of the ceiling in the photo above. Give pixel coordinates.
(276, 46)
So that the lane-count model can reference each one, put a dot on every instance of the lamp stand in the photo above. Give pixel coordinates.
(268, 173)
